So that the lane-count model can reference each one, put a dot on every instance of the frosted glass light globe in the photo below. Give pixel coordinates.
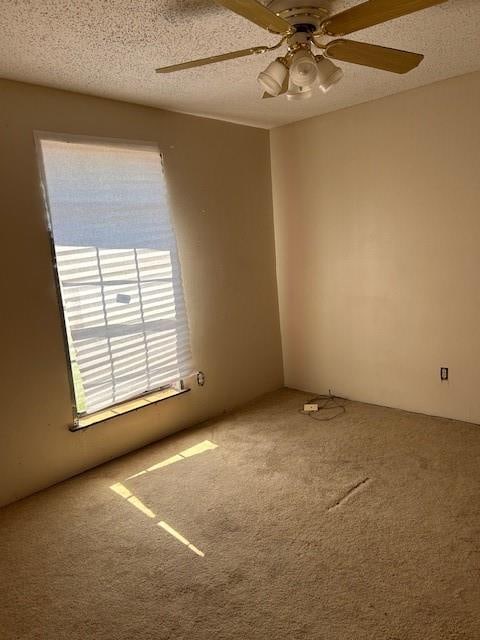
(303, 69)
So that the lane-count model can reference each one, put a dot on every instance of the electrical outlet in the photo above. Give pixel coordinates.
(200, 378)
(308, 408)
(443, 374)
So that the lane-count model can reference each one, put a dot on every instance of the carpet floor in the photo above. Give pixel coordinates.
(260, 524)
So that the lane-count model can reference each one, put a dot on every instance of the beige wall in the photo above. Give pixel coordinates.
(377, 215)
(219, 178)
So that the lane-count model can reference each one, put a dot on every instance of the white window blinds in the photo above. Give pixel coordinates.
(118, 269)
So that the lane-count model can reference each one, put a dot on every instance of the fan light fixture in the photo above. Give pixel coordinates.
(298, 93)
(273, 77)
(303, 68)
(328, 73)
(303, 26)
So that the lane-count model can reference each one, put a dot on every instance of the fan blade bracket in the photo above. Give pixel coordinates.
(323, 31)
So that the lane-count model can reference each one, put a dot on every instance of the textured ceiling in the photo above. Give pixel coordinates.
(110, 48)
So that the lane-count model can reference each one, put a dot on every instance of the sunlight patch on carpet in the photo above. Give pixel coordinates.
(120, 489)
(201, 447)
(180, 538)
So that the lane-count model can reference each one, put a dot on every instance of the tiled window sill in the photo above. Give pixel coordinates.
(125, 407)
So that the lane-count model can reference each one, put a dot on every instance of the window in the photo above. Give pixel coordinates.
(118, 268)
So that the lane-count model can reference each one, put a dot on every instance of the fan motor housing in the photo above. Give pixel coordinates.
(306, 18)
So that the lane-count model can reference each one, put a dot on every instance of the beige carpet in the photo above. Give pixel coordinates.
(365, 527)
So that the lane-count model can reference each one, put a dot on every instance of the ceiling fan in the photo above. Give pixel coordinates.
(303, 27)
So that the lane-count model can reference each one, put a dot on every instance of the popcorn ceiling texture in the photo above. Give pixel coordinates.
(362, 528)
(111, 48)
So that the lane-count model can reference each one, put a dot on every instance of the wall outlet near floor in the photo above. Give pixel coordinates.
(312, 406)
(443, 373)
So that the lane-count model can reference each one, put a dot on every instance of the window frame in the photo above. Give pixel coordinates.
(89, 419)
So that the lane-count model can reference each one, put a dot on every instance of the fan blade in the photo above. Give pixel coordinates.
(282, 92)
(371, 55)
(259, 14)
(204, 61)
(373, 12)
